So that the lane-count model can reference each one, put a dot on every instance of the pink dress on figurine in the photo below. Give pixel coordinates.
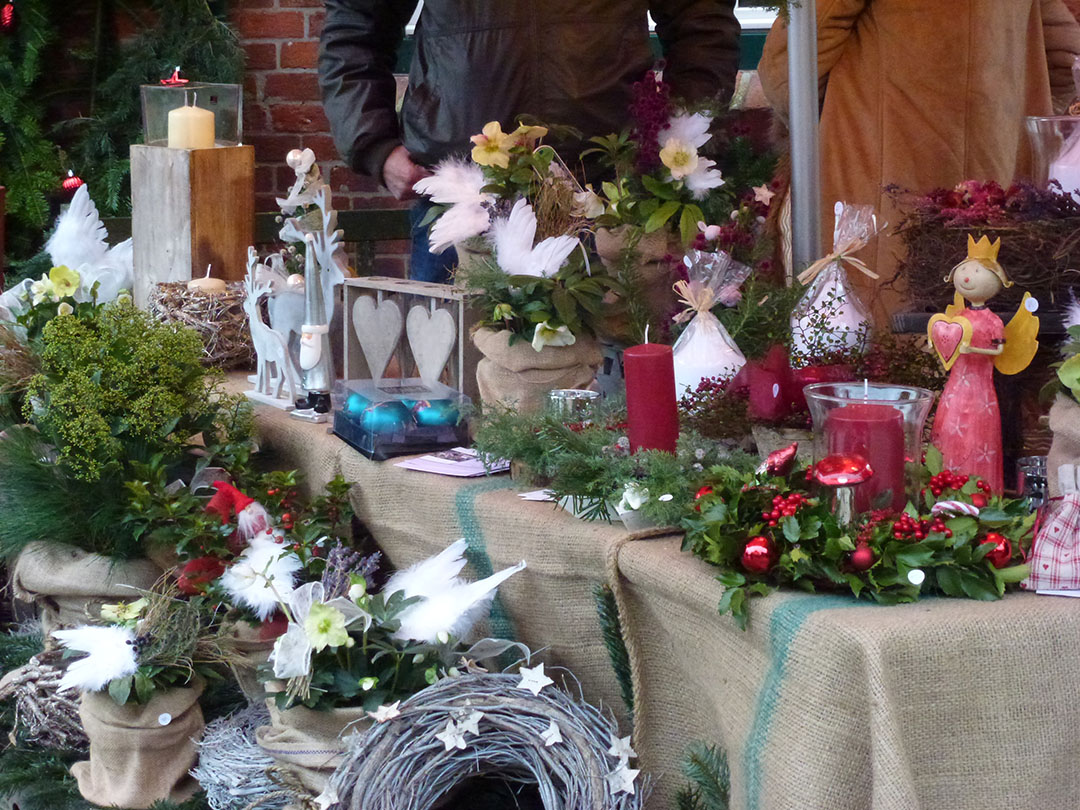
(967, 428)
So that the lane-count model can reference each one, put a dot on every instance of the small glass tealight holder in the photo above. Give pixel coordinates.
(573, 405)
(166, 124)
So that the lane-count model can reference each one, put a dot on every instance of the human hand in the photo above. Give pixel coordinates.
(400, 173)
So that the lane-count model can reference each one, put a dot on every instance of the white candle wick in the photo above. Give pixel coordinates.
(866, 388)
(646, 333)
(207, 271)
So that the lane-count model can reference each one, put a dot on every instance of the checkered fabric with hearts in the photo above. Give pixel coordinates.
(1055, 555)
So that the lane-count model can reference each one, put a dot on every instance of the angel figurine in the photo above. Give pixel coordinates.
(971, 342)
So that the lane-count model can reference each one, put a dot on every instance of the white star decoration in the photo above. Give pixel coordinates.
(763, 194)
(621, 780)
(620, 747)
(451, 737)
(534, 679)
(552, 735)
(384, 713)
(471, 723)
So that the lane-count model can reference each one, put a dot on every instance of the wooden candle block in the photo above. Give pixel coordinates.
(190, 208)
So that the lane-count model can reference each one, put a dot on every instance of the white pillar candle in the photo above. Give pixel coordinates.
(191, 128)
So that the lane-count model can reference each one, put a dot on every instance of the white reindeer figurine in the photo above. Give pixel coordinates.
(275, 367)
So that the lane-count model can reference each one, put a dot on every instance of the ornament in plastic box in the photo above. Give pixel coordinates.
(705, 349)
(830, 316)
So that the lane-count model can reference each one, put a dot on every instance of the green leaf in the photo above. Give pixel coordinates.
(792, 531)
(687, 225)
(658, 189)
(731, 579)
(144, 687)
(935, 462)
(949, 581)
(120, 690)
(659, 217)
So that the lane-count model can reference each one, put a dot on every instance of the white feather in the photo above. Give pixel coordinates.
(456, 224)
(513, 239)
(263, 574)
(79, 237)
(692, 129)
(454, 182)
(431, 575)
(1072, 312)
(453, 610)
(110, 655)
(703, 178)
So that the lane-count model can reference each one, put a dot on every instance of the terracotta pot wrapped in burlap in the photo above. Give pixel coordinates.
(1065, 447)
(70, 585)
(309, 744)
(140, 754)
(655, 252)
(520, 377)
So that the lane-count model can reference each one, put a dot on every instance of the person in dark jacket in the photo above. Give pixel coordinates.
(561, 61)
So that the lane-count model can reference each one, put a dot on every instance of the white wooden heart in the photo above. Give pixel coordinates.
(431, 338)
(378, 328)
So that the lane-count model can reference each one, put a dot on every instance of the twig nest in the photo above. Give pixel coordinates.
(218, 318)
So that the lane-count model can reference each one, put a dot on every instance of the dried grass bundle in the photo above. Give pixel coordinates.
(17, 363)
(219, 320)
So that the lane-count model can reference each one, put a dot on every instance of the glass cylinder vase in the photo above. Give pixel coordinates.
(1055, 150)
(882, 424)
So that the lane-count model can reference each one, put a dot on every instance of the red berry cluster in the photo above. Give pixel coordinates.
(947, 479)
(286, 501)
(907, 526)
(784, 506)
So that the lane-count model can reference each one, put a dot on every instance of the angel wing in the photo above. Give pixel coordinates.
(514, 250)
(1021, 339)
(80, 236)
(957, 305)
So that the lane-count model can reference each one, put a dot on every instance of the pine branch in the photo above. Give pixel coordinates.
(611, 627)
(706, 766)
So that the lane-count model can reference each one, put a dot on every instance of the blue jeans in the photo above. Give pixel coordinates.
(425, 265)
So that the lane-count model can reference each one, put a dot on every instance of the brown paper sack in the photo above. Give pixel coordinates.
(655, 278)
(307, 743)
(1065, 447)
(520, 377)
(70, 585)
(134, 759)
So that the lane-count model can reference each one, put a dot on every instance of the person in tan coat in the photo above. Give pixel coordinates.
(923, 94)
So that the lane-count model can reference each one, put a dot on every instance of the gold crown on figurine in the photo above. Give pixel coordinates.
(984, 249)
(985, 253)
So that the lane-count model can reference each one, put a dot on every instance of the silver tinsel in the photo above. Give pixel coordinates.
(232, 767)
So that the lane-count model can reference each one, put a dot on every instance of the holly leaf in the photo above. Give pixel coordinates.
(935, 462)
(731, 579)
(949, 581)
(120, 690)
(792, 530)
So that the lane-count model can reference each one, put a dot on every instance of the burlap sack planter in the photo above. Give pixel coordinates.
(309, 744)
(654, 274)
(140, 754)
(520, 377)
(251, 651)
(1065, 447)
(70, 585)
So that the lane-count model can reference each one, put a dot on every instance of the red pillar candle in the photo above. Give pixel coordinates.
(651, 408)
(875, 432)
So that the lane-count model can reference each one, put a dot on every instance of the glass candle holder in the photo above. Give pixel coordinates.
(1055, 149)
(882, 424)
(225, 101)
(1031, 480)
(573, 404)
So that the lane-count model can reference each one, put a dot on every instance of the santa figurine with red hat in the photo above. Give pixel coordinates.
(229, 502)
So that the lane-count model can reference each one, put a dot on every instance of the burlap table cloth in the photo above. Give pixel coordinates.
(832, 704)
(823, 703)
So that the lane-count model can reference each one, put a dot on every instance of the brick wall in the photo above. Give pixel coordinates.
(283, 111)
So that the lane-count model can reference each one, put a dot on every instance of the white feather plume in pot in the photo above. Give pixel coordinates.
(79, 242)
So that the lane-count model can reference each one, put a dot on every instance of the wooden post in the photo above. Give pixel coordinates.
(190, 208)
(803, 117)
(3, 246)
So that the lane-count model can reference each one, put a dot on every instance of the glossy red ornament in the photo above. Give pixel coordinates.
(862, 558)
(72, 182)
(757, 556)
(1001, 554)
(978, 499)
(779, 462)
(701, 493)
(7, 17)
(840, 470)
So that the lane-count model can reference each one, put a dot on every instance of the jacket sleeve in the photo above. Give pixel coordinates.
(700, 39)
(357, 51)
(836, 20)
(1061, 34)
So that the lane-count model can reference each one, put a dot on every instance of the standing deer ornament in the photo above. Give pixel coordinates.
(275, 373)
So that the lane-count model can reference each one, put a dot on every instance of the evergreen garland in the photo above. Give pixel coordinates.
(706, 767)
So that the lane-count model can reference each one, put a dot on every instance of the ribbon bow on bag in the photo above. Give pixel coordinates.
(856, 225)
(697, 296)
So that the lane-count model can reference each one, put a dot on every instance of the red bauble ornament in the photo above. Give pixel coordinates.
(1001, 554)
(757, 557)
(780, 462)
(862, 558)
(7, 17)
(71, 183)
